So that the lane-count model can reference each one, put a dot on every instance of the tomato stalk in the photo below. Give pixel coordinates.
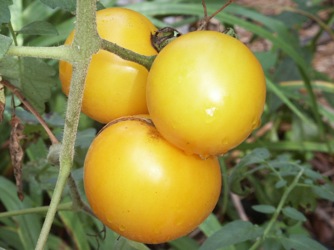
(205, 21)
(62, 52)
(127, 54)
(61, 207)
(65, 52)
(85, 44)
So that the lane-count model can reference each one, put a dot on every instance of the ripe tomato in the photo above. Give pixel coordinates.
(206, 92)
(115, 87)
(144, 188)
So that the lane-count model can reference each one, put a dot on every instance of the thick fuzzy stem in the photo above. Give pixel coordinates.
(85, 44)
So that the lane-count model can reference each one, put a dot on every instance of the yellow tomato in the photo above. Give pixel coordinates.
(144, 188)
(206, 92)
(115, 87)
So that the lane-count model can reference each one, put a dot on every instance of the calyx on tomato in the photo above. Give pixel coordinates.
(164, 36)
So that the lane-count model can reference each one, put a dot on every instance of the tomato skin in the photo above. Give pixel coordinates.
(206, 92)
(115, 87)
(144, 188)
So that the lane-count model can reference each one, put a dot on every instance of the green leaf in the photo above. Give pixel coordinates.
(268, 59)
(112, 240)
(291, 146)
(39, 28)
(293, 214)
(184, 243)
(285, 165)
(280, 94)
(301, 242)
(53, 120)
(125, 244)
(63, 28)
(271, 244)
(303, 197)
(258, 155)
(280, 183)
(4, 11)
(5, 43)
(325, 191)
(9, 238)
(265, 209)
(302, 131)
(85, 137)
(55, 242)
(232, 233)
(27, 226)
(210, 225)
(133, 245)
(327, 112)
(68, 5)
(36, 10)
(313, 174)
(37, 150)
(32, 76)
(75, 228)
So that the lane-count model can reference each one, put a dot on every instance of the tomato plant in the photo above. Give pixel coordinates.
(144, 188)
(206, 92)
(115, 87)
(279, 196)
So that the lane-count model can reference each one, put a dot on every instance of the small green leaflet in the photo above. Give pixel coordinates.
(5, 43)
(293, 214)
(265, 209)
(4, 11)
(33, 77)
(68, 5)
(232, 233)
(41, 28)
(301, 242)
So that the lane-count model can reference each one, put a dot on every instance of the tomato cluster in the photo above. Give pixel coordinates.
(155, 177)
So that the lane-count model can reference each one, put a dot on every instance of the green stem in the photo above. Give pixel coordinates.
(67, 152)
(58, 53)
(314, 105)
(77, 201)
(272, 169)
(12, 32)
(34, 210)
(126, 54)
(85, 44)
(278, 210)
(226, 189)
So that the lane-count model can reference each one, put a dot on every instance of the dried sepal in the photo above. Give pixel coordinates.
(16, 152)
